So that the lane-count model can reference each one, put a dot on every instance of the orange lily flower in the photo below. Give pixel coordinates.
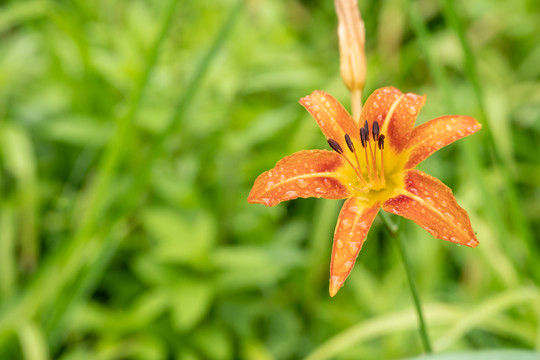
(372, 166)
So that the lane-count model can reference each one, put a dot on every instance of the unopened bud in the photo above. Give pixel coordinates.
(351, 33)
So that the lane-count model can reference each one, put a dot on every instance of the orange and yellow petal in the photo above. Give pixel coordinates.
(395, 112)
(354, 222)
(331, 116)
(307, 173)
(431, 204)
(437, 133)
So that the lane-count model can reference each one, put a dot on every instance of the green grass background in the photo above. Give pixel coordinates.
(131, 133)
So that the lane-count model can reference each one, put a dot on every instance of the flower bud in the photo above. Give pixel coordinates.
(351, 33)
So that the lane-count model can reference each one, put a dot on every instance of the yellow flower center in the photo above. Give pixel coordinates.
(375, 173)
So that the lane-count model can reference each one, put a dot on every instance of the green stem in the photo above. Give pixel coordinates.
(393, 229)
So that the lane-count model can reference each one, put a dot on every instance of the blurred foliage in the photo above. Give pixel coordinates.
(132, 131)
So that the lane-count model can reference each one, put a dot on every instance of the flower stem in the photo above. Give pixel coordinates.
(356, 102)
(393, 229)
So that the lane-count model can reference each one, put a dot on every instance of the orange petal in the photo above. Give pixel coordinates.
(354, 222)
(307, 173)
(437, 133)
(431, 204)
(332, 117)
(395, 112)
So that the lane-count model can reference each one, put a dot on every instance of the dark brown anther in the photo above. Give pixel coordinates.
(349, 142)
(363, 137)
(375, 130)
(366, 129)
(381, 142)
(335, 146)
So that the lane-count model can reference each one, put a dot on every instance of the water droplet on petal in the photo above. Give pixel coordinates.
(345, 224)
(375, 105)
(354, 246)
(429, 201)
(449, 216)
(339, 244)
(319, 190)
(412, 110)
(413, 190)
(444, 203)
(302, 183)
(291, 194)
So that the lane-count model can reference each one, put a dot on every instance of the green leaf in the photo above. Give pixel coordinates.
(190, 302)
(179, 238)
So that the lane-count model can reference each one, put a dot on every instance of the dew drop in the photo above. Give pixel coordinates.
(412, 110)
(345, 224)
(269, 185)
(429, 201)
(449, 216)
(453, 238)
(444, 203)
(353, 208)
(348, 264)
(302, 183)
(413, 190)
(319, 190)
(375, 105)
(291, 194)
(339, 244)
(439, 143)
(354, 246)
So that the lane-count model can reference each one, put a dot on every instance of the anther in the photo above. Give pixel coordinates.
(375, 130)
(381, 142)
(366, 129)
(335, 146)
(363, 137)
(349, 142)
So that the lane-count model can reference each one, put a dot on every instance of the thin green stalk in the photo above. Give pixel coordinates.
(393, 230)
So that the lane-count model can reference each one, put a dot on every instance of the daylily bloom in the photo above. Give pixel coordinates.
(372, 166)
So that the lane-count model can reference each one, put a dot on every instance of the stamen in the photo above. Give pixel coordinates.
(335, 146)
(381, 147)
(381, 142)
(364, 135)
(353, 150)
(375, 130)
(368, 142)
(349, 142)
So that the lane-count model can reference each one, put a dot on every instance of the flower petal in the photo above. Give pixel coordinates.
(332, 117)
(354, 222)
(431, 204)
(437, 133)
(395, 112)
(307, 173)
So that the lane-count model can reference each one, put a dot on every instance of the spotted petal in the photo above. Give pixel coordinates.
(395, 112)
(354, 222)
(332, 117)
(437, 133)
(307, 173)
(431, 204)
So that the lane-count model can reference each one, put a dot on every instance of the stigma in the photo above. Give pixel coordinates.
(370, 171)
